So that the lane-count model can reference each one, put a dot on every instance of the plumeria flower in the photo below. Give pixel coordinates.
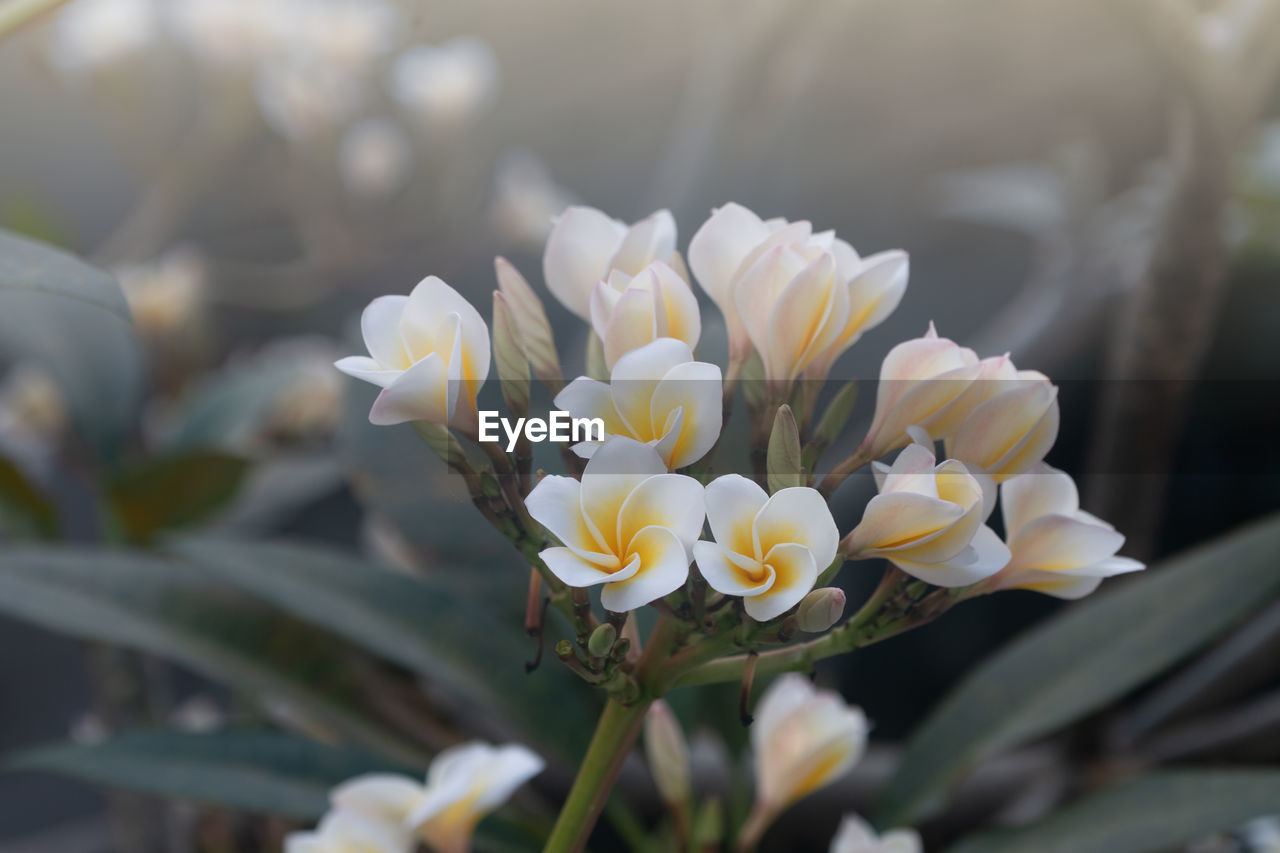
(1057, 548)
(802, 739)
(446, 86)
(233, 33)
(628, 312)
(93, 34)
(586, 245)
(374, 158)
(1013, 422)
(429, 351)
(657, 394)
(166, 295)
(769, 550)
(464, 783)
(926, 382)
(349, 34)
(821, 293)
(347, 832)
(628, 525)
(857, 836)
(928, 520)
(301, 99)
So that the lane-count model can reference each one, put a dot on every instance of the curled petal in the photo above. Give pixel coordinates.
(421, 393)
(651, 239)
(794, 574)
(556, 504)
(380, 328)
(367, 369)
(696, 389)
(1058, 542)
(577, 254)
(663, 568)
(798, 515)
(719, 247)
(726, 575)
(1042, 491)
(732, 504)
(673, 501)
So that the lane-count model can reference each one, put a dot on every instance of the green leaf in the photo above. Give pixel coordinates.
(229, 407)
(173, 610)
(72, 320)
(783, 465)
(24, 510)
(261, 772)
(1091, 654)
(1145, 815)
(175, 491)
(469, 635)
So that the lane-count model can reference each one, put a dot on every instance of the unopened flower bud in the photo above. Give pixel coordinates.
(667, 753)
(531, 320)
(820, 609)
(602, 639)
(509, 356)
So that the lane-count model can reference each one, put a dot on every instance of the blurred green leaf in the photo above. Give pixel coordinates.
(260, 772)
(175, 491)
(173, 610)
(1145, 815)
(24, 510)
(1091, 654)
(229, 407)
(440, 626)
(72, 320)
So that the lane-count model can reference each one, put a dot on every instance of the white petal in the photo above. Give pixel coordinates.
(719, 247)
(556, 504)
(635, 378)
(379, 795)
(1058, 542)
(421, 393)
(587, 398)
(1041, 491)
(664, 566)
(509, 767)
(723, 574)
(895, 520)
(578, 250)
(651, 239)
(363, 367)
(617, 468)
(985, 556)
(732, 504)
(673, 501)
(433, 298)
(795, 573)
(697, 389)
(575, 571)
(380, 328)
(800, 515)
(805, 318)
(676, 313)
(632, 324)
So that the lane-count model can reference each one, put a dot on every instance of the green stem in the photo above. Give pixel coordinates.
(615, 733)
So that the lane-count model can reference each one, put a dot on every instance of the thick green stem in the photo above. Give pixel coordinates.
(615, 733)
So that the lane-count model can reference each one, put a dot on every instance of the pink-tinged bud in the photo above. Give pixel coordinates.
(820, 609)
(667, 753)
(530, 319)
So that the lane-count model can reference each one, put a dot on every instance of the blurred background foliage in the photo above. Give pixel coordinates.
(1091, 185)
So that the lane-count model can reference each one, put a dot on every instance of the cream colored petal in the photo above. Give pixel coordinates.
(757, 292)
(912, 472)
(673, 501)
(695, 388)
(795, 573)
(432, 298)
(635, 378)
(726, 575)
(1041, 491)
(632, 324)
(387, 796)
(875, 292)
(789, 694)
(719, 247)
(651, 239)
(1065, 585)
(380, 328)
(365, 368)
(587, 398)
(676, 310)
(984, 556)
(903, 520)
(421, 393)
(575, 571)
(803, 318)
(556, 504)
(1054, 542)
(615, 470)
(509, 767)
(797, 515)
(664, 567)
(604, 298)
(732, 504)
(790, 234)
(833, 741)
(577, 254)
(1033, 446)
(993, 431)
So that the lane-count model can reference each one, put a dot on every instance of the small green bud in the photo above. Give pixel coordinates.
(564, 650)
(783, 466)
(602, 640)
(820, 609)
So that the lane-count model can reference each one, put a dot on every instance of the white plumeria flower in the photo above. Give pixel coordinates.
(857, 836)
(801, 298)
(165, 295)
(374, 158)
(1013, 422)
(346, 33)
(92, 34)
(233, 34)
(1057, 548)
(464, 783)
(526, 199)
(769, 550)
(657, 394)
(300, 98)
(802, 739)
(586, 245)
(628, 525)
(926, 382)
(429, 351)
(446, 86)
(928, 520)
(347, 832)
(627, 312)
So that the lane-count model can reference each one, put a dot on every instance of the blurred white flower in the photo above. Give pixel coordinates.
(627, 312)
(300, 98)
(857, 836)
(526, 199)
(233, 33)
(445, 86)
(165, 295)
(628, 524)
(374, 158)
(347, 832)
(345, 33)
(32, 406)
(92, 34)
(1057, 548)
(310, 404)
(928, 520)
(586, 247)
(767, 549)
(429, 352)
(464, 783)
(802, 739)
(657, 394)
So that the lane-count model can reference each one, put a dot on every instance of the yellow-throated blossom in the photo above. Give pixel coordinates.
(800, 298)
(1057, 548)
(928, 520)
(1012, 423)
(586, 245)
(429, 351)
(656, 394)
(802, 739)
(857, 836)
(464, 783)
(628, 312)
(926, 382)
(347, 832)
(628, 524)
(768, 549)
(667, 752)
